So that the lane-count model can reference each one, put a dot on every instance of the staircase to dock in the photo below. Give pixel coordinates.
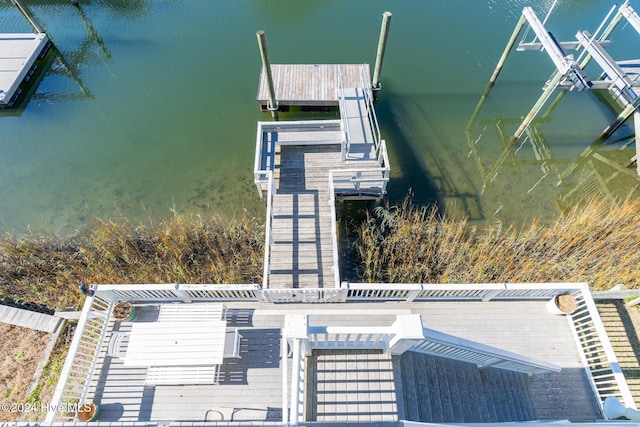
(618, 321)
(439, 390)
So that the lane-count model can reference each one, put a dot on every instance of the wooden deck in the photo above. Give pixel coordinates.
(18, 54)
(310, 84)
(250, 388)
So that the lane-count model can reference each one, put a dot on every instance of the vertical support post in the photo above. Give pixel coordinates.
(266, 69)
(507, 50)
(622, 117)
(382, 45)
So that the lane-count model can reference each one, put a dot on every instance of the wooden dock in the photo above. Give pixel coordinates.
(18, 55)
(312, 85)
(302, 166)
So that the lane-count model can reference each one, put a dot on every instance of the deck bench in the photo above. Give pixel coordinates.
(192, 312)
(177, 375)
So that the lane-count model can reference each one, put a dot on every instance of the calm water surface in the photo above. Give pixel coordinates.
(152, 106)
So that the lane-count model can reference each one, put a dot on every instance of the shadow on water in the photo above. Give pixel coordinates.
(413, 178)
(424, 153)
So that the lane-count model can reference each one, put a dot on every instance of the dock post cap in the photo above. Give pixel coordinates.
(387, 13)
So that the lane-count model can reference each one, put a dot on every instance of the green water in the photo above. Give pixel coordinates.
(155, 111)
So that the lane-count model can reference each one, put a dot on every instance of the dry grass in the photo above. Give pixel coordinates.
(46, 268)
(595, 243)
(22, 350)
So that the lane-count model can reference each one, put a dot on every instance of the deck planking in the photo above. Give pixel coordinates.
(18, 54)
(251, 387)
(310, 84)
(301, 252)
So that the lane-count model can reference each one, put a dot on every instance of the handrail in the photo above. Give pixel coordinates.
(372, 118)
(484, 356)
(374, 337)
(267, 234)
(598, 356)
(78, 369)
(346, 133)
(334, 231)
(297, 378)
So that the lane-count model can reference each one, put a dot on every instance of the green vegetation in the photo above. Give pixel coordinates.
(47, 269)
(595, 243)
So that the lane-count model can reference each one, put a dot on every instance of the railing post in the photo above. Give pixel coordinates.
(182, 294)
(407, 331)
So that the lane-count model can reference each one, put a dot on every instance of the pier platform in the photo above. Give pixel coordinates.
(18, 55)
(311, 85)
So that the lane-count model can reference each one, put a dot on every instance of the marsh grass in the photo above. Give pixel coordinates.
(46, 268)
(596, 242)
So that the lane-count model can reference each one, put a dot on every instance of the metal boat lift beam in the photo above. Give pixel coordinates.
(565, 64)
(608, 64)
(632, 17)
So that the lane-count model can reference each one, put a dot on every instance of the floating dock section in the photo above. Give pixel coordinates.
(18, 55)
(311, 85)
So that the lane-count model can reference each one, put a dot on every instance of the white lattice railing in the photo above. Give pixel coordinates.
(459, 292)
(603, 369)
(80, 364)
(176, 292)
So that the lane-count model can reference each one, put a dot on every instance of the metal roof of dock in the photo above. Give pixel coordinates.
(18, 53)
(310, 84)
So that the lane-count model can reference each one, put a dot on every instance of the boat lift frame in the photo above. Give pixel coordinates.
(569, 75)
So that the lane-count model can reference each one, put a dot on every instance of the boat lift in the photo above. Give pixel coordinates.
(620, 79)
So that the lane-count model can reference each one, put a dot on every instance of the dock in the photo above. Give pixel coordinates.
(310, 85)
(18, 55)
(302, 167)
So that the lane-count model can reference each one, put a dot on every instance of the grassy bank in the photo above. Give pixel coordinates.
(596, 243)
(45, 268)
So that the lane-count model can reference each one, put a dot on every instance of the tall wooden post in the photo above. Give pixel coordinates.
(507, 49)
(382, 45)
(272, 105)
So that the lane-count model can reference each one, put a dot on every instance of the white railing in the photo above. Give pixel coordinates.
(334, 233)
(603, 369)
(483, 356)
(80, 364)
(177, 292)
(371, 118)
(476, 292)
(371, 112)
(268, 232)
(303, 295)
(361, 337)
(297, 384)
(346, 132)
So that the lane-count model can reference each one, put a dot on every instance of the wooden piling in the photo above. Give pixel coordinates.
(507, 49)
(28, 15)
(382, 45)
(622, 117)
(266, 67)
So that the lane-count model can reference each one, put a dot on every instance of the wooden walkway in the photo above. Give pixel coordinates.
(311, 163)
